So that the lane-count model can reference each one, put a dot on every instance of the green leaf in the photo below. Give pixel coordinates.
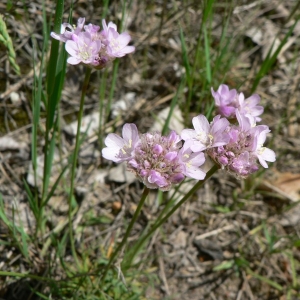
(207, 56)
(172, 106)
(270, 59)
(224, 265)
(264, 279)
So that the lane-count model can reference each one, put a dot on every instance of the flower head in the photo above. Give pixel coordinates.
(83, 49)
(88, 45)
(158, 161)
(225, 101)
(121, 149)
(228, 101)
(239, 156)
(206, 135)
(117, 43)
(249, 106)
(68, 31)
(190, 162)
(155, 161)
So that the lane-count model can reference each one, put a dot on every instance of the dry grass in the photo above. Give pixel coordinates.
(234, 239)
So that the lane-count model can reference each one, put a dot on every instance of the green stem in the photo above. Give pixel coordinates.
(133, 220)
(74, 162)
(166, 217)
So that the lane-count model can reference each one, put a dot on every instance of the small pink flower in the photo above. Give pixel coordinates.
(93, 30)
(83, 49)
(239, 156)
(117, 43)
(68, 31)
(263, 154)
(106, 28)
(228, 101)
(225, 101)
(206, 135)
(121, 149)
(87, 44)
(249, 106)
(191, 162)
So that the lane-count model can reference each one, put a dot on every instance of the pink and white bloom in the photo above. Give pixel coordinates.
(93, 30)
(191, 162)
(225, 100)
(228, 101)
(67, 31)
(244, 148)
(83, 49)
(249, 106)
(121, 149)
(263, 154)
(117, 44)
(107, 27)
(206, 135)
(157, 161)
(88, 45)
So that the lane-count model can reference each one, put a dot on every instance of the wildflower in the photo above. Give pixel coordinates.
(263, 154)
(155, 161)
(206, 135)
(107, 27)
(228, 101)
(93, 30)
(249, 106)
(225, 101)
(239, 156)
(121, 149)
(88, 45)
(117, 43)
(83, 49)
(68, 31)
(158, 161)
(190, 162)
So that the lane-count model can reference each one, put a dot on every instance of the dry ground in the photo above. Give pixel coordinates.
(252, 226)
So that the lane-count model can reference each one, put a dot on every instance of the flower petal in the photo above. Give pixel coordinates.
(110, 153)
(201, 124)
(113, 140)
(188, 134)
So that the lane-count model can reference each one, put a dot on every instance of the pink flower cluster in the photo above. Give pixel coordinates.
(91, 46)
(162, 161)
(158, 161)
(229, 101)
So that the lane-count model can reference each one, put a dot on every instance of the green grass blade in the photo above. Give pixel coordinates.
(208, 9)
(24, 238)
(113, 86)
(172, 106)
(270, 59)
(53, 189)
(48, 164)
(3, 216)
(188, 76)
(265, 280)
(37, 98)
(207, 55)
(32, 200)
(102, 89)
(51, 73)
(55, 95)
(185, 58)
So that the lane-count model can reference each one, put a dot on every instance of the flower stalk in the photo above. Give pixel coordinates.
(162, 220)
(74, 161)
(133, 220)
